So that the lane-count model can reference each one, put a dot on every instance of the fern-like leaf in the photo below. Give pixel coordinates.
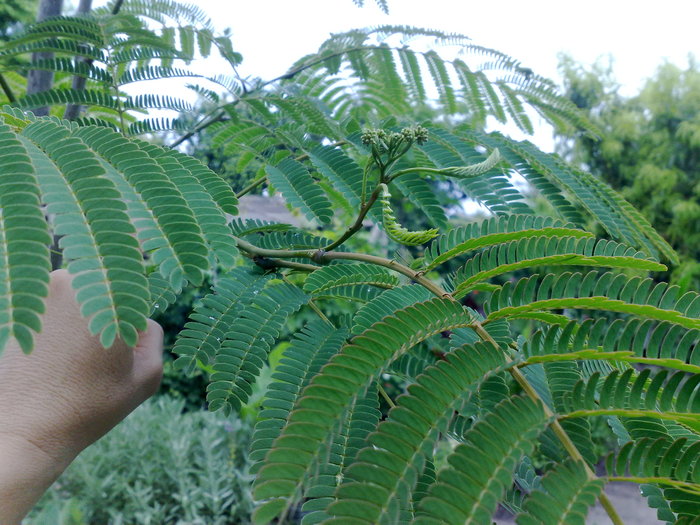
(496, 230)
(595, 291)
(343, 172)
(24, 244)
(347, 372)
(419, 192)
(359, 421)
(341, 275)
(243, 354)
(169, 228)
(300, 189)
(98, 238)
(565, 496)
(374, 495)
(481, 469)
(206, 211)
(162, 295)
(634, 341)
(397, 232)
(618, 217)
(549, 251)
(387, 303)
(212, 322)
(309, 350)
(663, 395)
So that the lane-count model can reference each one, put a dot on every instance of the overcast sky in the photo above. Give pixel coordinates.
(639, 35)
(271, 34)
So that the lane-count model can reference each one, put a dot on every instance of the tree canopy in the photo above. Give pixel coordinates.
(649, 149)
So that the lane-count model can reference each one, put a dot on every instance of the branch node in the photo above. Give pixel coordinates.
(318, 256)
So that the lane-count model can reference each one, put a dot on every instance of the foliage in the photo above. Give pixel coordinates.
(649, 151)
(158, 466)
(529, 374)
(118, 49)
(13, 12)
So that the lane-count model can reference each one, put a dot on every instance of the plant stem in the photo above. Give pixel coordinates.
(7, 90)
(250, 187)
(322, 256)
(397, 174)
(685, 418)
(690, 487)
(386, 397)
(387, 263)
(264, 252)
(117, 6)
(318, 311)
(358, 222)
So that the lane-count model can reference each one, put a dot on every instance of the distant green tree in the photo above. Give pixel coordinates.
(13, 13)
(650, 151)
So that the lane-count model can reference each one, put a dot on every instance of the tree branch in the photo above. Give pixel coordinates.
(216, 115)
(250, 187)
(117, 6)
(41, 80)
(358, 222)
(321, 256)
(7, 90)
(73, 110)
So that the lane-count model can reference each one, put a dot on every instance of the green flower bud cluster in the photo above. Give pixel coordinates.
(383, 141)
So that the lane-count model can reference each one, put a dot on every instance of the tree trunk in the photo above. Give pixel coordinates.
(73, 110)
(38, 80)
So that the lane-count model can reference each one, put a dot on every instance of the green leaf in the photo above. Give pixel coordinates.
(165, 222)
(24, 244)
(397, 232)
(565, 496)
(594, 291)
(372, 495)
(479, 470)
(300, 190)
(549, 251)
(343, 172)
(341, 275)
(324, 399)
(98, 240)
(420, 193)
(496, 230)
(213, 321)
(309, 350)
(244, 352)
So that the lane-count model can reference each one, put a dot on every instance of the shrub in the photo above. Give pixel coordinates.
(158, 466)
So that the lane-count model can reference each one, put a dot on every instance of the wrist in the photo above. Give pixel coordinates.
(26, 471)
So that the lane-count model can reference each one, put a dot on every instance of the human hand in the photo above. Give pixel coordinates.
(64, 396)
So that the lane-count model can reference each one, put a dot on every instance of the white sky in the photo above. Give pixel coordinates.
(272, 34)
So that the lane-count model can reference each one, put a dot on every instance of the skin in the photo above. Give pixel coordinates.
(64, 396)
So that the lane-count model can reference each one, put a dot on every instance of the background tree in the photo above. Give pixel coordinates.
(649, 150)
